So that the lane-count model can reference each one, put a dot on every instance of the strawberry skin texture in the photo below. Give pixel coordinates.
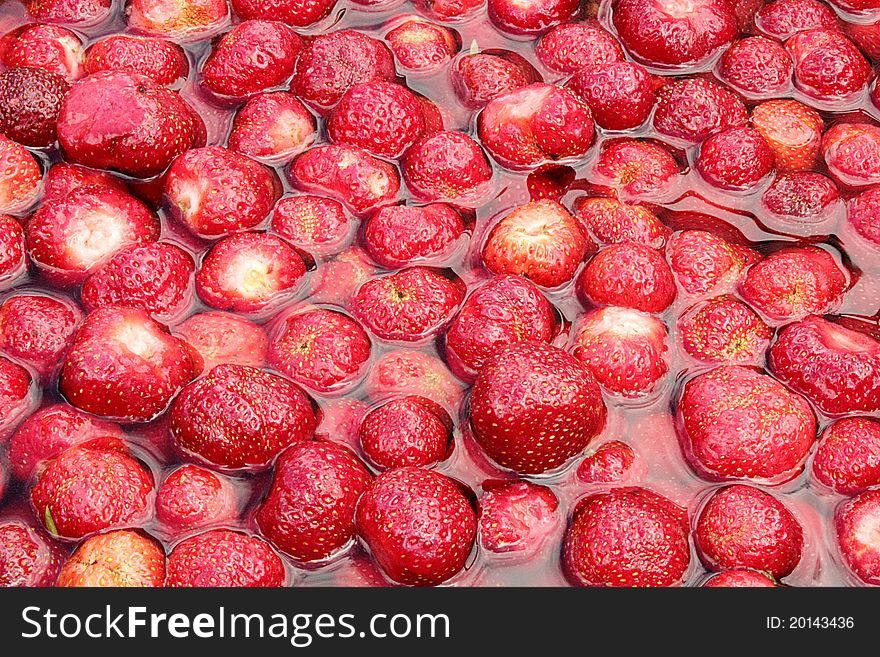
(121, 558)
(28, 557)
(224, 558)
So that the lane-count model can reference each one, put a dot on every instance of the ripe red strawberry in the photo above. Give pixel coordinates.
(636, 170)
(224, 558)
(309, 511)
(480, 77)
(49, 47)
(88, 490)
(705, 264)
(744, 527)
(625, 349)
(612, 462)
(620, 94)
(12, 251)
(669, 34)
(724, 330)
(539, 240)
(322, 350)
(315, 224)
(736, 423)
(192, 497)
(736, 159)
(340, 420)
(162, 61)
(516, 516)
(756, 66)
(348, 174)
(848, 457)
(155, 277)
(408, 431)
(866, 36)
(71, 237)
(569, 47)
(739, 578)
(27, 556)
(219, 338)
(240, 418)
(87, 12)
(37, 330)
(52, 430)
(856, 7)
(248, 272)
(20, 177)
(62, 178)
(446, 10)
(420, 46)
(794, 282)
(533, 407)
(253, 56)
(400, 235)
(447, 166)
(852, 154)
(855, 528)
(406, 372)
(336, 280)
(127, 123)
(536, 123)
(828, 66)
(418, 525)
(410, 305)
(17, 398)
(611, 222)
(691, 109)
(272, 128)
(298, 13)
(792, 130)
(863, 214)
(627, 537)
(835, 367)
(784, 18)
(185, 21)
(124, 366)
(802, 201)
(332, 63)
(532, 16)
(506, 310)
(120, 558)
(628, 274)
(30, 99)
(550, 182)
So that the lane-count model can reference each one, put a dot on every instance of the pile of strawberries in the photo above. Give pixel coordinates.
(474, 292)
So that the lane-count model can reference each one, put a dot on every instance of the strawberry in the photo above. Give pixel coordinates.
(802, 201)
(218, 338)
(62, 178)
(611, 222)
(533, 407)
(418, 524)
(705, 264)
(781, 19)
(348, 174)
(52, 430)
(422, 47)
(155, 277)
(239, 418)
(480, 77)
(121, 558)
(253, 56)
(535, 123)
(340, 420)
(272, 128)
(446, 10)
(736, 159)
(49, 47)
(625, 349)
(792, 130)
(192, 497)
(739, 578)
(866, 36)
(550, 182)
(399, 235)
(506, 310)
(71, 237)
(127, 123)
(322, 350)
(20, 177)
(619, 94)
(628, 274)
(539, 240)
(724, 330)
(848, 457)
(856, 6)
(532, 16)
(28, 557)
(38, 330)
(516, 516)
(744, 527)
(636, 170)
(87, 490)
(313, 223)
(381, 117)
(691, 109)
(248, 272)
(336, 280)
(852, 154)
(124, 366)
(408, 431)
(757, 67)
(332, 63)
(569, 47)
(736, 423)
(86, 12)
(297, 13)
(447, 166)
(309, 510)
(12, 251)
(827, 65)
(835, 367)
(164, 62)
(17, 400)
(610, 463)
(30, 99)
(863, 214)
(668, 34)
(627, 537)
(405, 372)
(794, 282)
(224, 558)
(184, 21)
(855, 530)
